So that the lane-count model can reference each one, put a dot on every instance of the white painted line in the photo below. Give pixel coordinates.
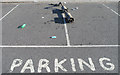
(55, 46)
(111, 9)
(9, 12)
(66, 31)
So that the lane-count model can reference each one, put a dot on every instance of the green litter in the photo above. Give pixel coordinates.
(23, 26)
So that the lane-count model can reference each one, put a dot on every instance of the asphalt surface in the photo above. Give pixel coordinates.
(98, 26)
(9, 54)
(37, 32)
(94, 25)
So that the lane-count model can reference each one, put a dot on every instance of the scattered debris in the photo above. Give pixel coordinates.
(23, 26)
(43, 17)
(55, 4)
(72, 9)
(49, 22)
(51, 4)
(65, 2)
(53, 37)
(68, 15)
(76, 7)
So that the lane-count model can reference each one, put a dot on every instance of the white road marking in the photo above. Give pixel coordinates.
(111, 9)
(60, 46)
(9, 12)
(66, 31)
(67, 37)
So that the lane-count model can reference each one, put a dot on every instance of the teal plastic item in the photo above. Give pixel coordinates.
(23, 26)
(53, 37)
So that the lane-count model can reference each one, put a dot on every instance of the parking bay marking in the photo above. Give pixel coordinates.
(9, 12)
(58, 46)
(67, 36)
(66, 31)
(111, 9)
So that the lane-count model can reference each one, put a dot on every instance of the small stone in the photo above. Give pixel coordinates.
(72, 9)
(76, 8)
(65, 2)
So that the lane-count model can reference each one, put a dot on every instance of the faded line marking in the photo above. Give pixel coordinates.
(9, 12)
(55, 46)
(111, 9)
(66, 31)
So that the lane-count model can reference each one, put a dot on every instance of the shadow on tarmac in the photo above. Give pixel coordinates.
(58, 19)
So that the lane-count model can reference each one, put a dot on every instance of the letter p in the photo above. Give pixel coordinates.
(16, 63)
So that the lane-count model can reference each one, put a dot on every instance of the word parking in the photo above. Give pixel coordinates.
(105, 63)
